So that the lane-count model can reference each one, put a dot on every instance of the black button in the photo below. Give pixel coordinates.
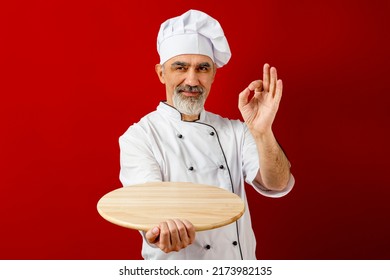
(207, 247)
(190, 168)
(221, 167)
(235, 243)
(212, 133)
(180, 136)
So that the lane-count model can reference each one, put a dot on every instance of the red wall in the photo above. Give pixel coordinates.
(76, 74)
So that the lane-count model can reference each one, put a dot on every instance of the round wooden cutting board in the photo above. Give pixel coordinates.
(144, 206)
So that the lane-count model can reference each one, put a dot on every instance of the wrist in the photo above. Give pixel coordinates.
(262, 135)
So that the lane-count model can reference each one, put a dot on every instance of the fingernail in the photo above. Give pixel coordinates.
(155, 230)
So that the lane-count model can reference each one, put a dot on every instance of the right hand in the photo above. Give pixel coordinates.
(172, 235)
(260, 111)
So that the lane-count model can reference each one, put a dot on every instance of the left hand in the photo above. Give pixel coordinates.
(260, 111)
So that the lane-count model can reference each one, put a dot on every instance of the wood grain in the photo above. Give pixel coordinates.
(143, 206)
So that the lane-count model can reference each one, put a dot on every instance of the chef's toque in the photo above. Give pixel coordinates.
(194, 32)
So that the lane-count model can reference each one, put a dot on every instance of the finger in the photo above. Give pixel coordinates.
(152, 235)
(278, 92)
(164, 242)
(183, 234)
(266, 78)
(174, 234)
(256, 86)
(190, 230)
(274, 78)
(243, 98)
(259, 90)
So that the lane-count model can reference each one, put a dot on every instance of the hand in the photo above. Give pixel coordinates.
(259, 113)
(172, 235)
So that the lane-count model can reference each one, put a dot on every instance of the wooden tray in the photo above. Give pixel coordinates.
(144, 206)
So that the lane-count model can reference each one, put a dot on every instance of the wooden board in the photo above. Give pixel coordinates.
(144, 206)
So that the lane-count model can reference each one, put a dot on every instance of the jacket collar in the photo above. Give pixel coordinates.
(170, 111)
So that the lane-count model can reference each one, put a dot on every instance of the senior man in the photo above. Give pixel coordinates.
(182, 142)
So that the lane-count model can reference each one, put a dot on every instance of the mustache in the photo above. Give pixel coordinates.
(188, 88)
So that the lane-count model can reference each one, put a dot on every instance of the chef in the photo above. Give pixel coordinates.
(181, 142)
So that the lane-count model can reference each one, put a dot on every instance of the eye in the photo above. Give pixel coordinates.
(180, 68)
(203, 68)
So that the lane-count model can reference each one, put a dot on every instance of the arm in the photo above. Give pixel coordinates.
(259, 113)
(139, 165)
(137, 162)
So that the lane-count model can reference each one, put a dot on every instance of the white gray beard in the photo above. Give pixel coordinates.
(189, 105)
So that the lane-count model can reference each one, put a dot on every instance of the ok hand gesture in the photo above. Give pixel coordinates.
(259, 112)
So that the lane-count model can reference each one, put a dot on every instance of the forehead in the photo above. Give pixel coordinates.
(191, 59)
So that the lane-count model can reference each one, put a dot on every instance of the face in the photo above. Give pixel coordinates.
(188, 79)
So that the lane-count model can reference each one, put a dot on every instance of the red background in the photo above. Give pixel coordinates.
(76, 74)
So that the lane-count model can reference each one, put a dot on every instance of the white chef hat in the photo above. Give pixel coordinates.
(194, 32)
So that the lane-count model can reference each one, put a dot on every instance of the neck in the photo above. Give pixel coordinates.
(189, 118)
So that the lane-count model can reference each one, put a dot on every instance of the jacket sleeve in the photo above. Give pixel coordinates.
(137, 162)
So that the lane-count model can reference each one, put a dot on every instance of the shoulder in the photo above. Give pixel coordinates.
(141, 127)
(223, 122)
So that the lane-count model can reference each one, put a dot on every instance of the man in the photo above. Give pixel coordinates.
(181, 142)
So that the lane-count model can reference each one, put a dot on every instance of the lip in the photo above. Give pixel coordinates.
(187, 93)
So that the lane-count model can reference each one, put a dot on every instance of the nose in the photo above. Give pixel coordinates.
(192, 78)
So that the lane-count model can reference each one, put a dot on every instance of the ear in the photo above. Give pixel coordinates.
(159, 71)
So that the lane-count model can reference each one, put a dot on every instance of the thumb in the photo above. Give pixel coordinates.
(152, 235)
(244, 95)
(243, 98)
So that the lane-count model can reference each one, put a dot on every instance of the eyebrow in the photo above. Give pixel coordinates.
(204, 64)
(179, 63)
(185, 64)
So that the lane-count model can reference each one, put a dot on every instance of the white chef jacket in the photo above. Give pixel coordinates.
(213, 151)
